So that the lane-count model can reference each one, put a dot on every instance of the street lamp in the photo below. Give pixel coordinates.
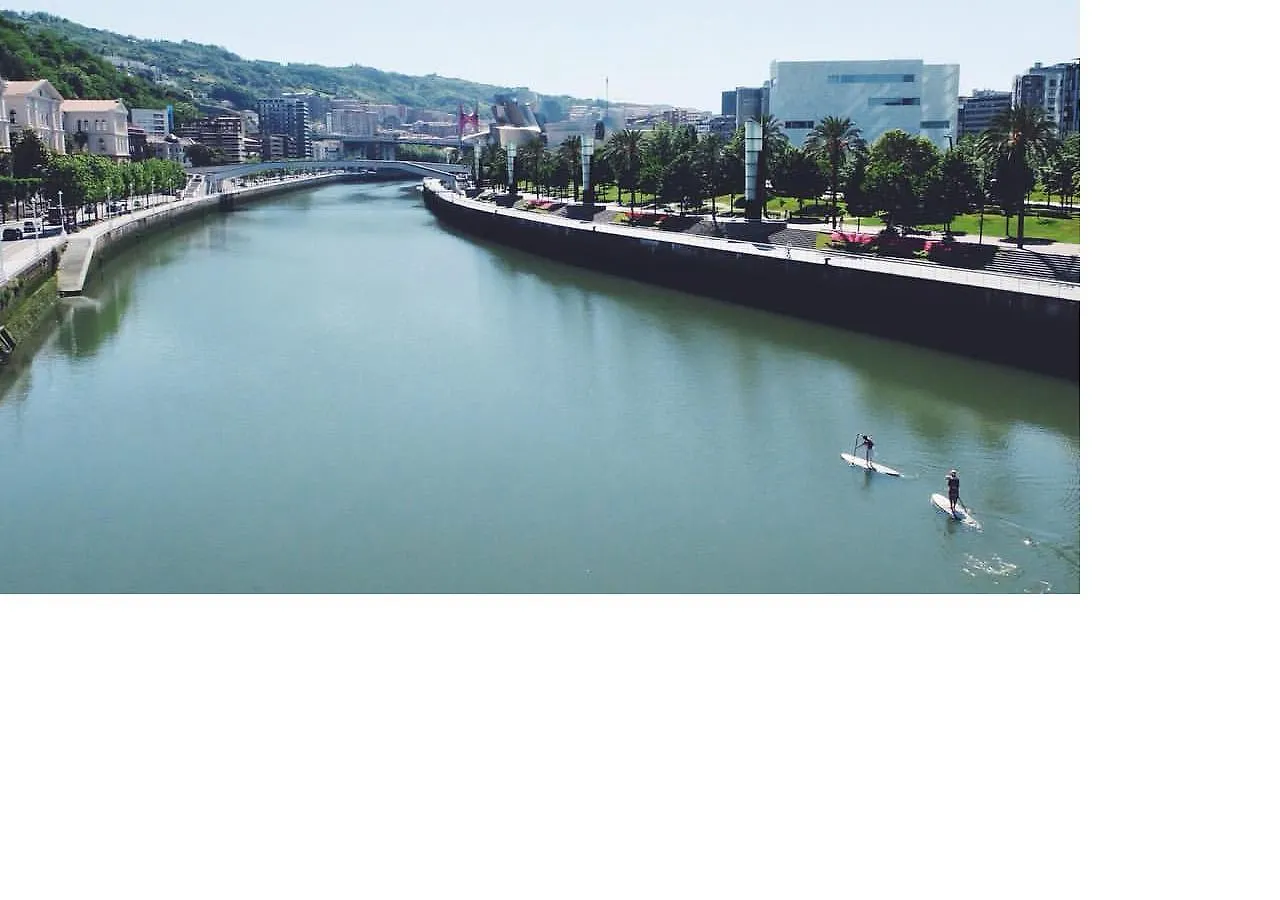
(588, 148)
(754, 143)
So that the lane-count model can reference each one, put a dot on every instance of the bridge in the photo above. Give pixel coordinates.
(215, 175)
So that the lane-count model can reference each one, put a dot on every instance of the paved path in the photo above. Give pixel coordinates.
(993, 235)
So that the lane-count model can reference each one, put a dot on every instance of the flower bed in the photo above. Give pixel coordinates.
(960, 253)
(543, 205)
(654, 220)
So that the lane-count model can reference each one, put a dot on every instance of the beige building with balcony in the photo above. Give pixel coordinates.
(103, 123)
(35, 105)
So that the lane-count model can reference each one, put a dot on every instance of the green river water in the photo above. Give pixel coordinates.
(329, 391)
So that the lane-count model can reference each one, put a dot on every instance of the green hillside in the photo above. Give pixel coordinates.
(207, 74)
(28, 54)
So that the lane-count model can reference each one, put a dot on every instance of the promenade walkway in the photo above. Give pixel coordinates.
(1051, 261)
(763, 239)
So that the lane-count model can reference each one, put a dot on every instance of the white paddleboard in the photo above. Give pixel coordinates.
(961, 514)
(875, 466)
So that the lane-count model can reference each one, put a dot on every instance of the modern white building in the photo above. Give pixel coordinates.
(157, 123)
(877, 95)
(35, 105)
(103, 125)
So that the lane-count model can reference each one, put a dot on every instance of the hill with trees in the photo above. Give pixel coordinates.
(28, 54)
(209, 75)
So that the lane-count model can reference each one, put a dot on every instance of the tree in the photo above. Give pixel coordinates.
(1061, 174)
(951, 187)
(1021, 137)
(571, 152)
(830, 142)
(200, 155)
(623, 150)
(714, 168)
(31, 157)
(857, 199)
(897, 176)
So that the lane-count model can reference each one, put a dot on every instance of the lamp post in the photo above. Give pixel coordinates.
(982, 196)
(511, 168)
(754, 142)
(588, 148)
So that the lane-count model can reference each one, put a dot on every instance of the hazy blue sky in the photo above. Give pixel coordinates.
(682, 52)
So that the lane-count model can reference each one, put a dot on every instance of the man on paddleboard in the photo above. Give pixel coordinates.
(869, 444)
(953, 490)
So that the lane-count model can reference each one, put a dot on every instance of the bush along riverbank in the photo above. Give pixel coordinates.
(25, 302)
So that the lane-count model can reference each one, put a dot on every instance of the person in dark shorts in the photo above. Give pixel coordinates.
(953, 490)
(869, 444)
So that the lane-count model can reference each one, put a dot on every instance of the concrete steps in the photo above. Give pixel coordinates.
(73, 268)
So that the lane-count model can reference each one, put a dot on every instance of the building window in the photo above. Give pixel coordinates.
(795, 124)
(935, 123)
(893, 101)
(870, 78)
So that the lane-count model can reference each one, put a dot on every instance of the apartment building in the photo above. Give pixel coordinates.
(36, 105)
(224, 133)
(288, 118)
(100, 127)
(1056, 90)
(157, 123)
(977, 111)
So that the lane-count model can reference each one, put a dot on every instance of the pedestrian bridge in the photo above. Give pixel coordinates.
(215, 175)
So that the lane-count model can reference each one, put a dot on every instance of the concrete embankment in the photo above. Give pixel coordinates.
(88, 248)
(1022, 322)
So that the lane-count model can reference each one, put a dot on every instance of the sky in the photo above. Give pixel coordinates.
(658, 51)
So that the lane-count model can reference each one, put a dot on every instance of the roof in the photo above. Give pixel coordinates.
(19, 88)
(91, 105)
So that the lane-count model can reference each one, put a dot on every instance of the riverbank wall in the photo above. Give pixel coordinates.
(1001, 319)
(86, 251)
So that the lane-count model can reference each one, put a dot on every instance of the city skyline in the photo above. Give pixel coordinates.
(678, 54)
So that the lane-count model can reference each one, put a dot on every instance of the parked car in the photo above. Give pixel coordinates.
(29, 228)
(12, 233)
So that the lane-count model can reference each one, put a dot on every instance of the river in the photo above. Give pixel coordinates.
(330, 391)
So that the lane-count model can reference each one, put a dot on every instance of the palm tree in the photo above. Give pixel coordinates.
(832, 139)
(1022, 137)
(623, 149)
(571, 153)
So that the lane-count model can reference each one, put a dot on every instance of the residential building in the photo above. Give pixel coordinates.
(100, 127)
(169, 147)
(751, 103)
(35, 105)
(875, 95)
(722, 126)
(224, 133)
(252, 148)
(273, 146)
(139, 149)
(1056, 90)
(157, 123)
(354, 122)
(326, 149)
(979, 110)
(289, 118)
